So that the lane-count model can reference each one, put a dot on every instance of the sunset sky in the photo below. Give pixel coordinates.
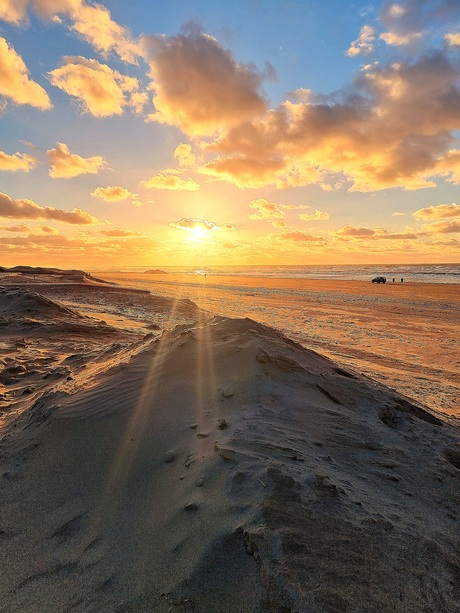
(191, 132)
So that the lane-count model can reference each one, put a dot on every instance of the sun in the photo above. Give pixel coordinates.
(198, 233)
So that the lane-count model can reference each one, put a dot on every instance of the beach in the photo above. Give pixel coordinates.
(187, 450)
(406, 335)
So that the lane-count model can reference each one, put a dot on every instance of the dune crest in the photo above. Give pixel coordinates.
(223, 468)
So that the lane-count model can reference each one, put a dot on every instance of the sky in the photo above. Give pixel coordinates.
(142, 133)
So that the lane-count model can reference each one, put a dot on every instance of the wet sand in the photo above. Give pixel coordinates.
(406, 335)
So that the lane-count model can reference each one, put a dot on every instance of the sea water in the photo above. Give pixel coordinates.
(418, 273)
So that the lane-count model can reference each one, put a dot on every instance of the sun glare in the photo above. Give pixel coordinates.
(198, 233)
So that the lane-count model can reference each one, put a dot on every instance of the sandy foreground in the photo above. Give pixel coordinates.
(209, 465)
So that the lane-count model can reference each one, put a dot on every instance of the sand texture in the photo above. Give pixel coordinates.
(215, 467)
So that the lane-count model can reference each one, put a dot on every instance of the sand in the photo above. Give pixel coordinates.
(406, 335)
(211, 466)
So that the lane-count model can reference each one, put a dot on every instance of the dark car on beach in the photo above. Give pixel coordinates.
(379, 280)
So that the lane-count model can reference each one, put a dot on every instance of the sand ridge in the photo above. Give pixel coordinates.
(223, 467)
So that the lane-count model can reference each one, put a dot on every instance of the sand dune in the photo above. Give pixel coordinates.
(222, 467)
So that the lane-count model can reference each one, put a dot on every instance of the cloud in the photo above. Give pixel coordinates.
(100, 90)
(70, 250)
(92, 22)
(18, 228)
(95, 25)
(266, 210)
(355, 232)
(452, 39)
(279, 224)
(120, 233)
(244, 171)
(384, 234)
(316, 216)
(191, 224)
(440, 211)
(65, 165)
(15, 83)
(183, 154)
(442, 227)
(13, 11)
(379, 233)
(394, 127)
(112, 193)
(294, 207)
(411, 16)
(301, 237)
(17, 161)
(391, 38)
(27, 209)
(49, 230)
(199, 86)
(171, 182)
(398, 214)
(364, 44)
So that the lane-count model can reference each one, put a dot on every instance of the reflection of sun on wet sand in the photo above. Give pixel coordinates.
(215, 467)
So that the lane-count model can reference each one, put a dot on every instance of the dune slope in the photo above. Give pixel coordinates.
(226, 468)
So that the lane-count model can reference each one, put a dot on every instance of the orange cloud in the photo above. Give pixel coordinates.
(92, 22)
(279, 224)
(100, 90)
(392, 38)
(95, 25)
(18, 228)
(15, 83)
(364, 43)
(199, 224)
(171, 182)
(379, 233)
(452, 39)
(120, 233)
(199, 86)
(316, 216)
(355, 232)
(266, 210)
(17, 161)
(245, 171)
(300, 237)
(440, 211)
(112, 193)
(184, 156)
(448, 165)
(391, 130)
(442, 227)
(13, 11)
(66, 165)
(48, 230)
(27, 209)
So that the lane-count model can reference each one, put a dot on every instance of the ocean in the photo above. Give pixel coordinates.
(416, 273)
